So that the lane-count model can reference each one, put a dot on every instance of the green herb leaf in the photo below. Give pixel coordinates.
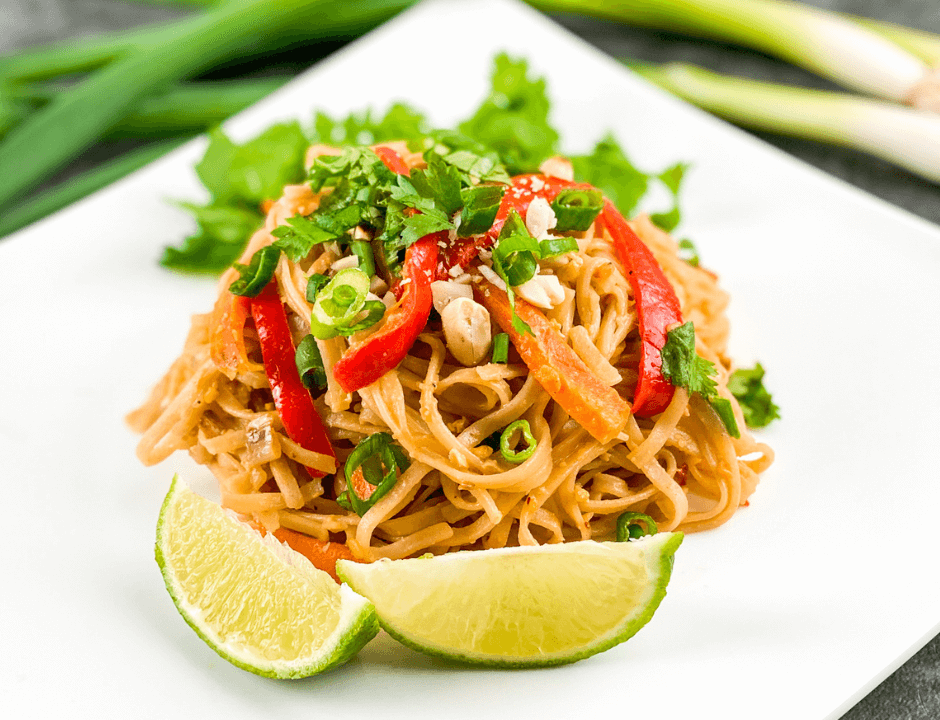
(513, 120)
(672, 179)
(258, 273)
(440, 182)
(755, 400)
(300, 234)
(226, 223)
(401, 122)
(684, 367)
(688, 252)
(480, 205)
(609, 170)
(201, 253)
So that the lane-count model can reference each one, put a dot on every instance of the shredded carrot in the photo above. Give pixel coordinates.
(227, 328)
(322, 554)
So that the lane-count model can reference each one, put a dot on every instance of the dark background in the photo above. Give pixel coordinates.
(911, 693)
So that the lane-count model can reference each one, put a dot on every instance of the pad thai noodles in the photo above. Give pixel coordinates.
(419, 353)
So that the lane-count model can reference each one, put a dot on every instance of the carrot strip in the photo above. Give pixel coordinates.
(597, 407)
(227, 334)
(322, 554)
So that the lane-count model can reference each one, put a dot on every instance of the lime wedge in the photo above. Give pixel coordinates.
(256, 602)
(519, 607)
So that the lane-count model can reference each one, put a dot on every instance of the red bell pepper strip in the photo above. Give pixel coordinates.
(382, 351)
(392, 160)
(597, 407)
(292, 400)
(657, 309)
(523, 190)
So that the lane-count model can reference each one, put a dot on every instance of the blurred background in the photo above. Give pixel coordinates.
(64, 145)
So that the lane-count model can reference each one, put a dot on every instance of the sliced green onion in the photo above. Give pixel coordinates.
(501, 348)
(363, 250)
(633, 525)
(381, 461)
(822, 42)
(515, 253)
(903, 136)
(338, 305)
(481, 203)
(314, 283)
(257, 273)
(577, 209)
(554, 247)
(310, 364)
(722, 406)
(505, 440)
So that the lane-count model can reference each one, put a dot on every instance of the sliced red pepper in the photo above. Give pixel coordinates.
(597, 407)
(382, 351)
(657, 309)
(392, 160)
(523, 190)
(292, 400)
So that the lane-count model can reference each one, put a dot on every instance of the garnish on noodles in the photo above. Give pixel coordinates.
(424, 349)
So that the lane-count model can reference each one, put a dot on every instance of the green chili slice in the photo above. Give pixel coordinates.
(257, 273)
(633, 525)
(505, 447)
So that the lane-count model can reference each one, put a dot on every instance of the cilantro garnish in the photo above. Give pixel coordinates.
(240, 178)
(401, 122)
(513, 120)
(609, 170)
(755, 400)
(683, 367)
(672, 178)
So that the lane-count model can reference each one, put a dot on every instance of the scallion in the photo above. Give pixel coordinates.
(576, 210)
(820, 41)
(506, 444)
(501, 348)
(554, 247)
(341, 308)
(363, 250)
(903, 136)
(381, 461)
(310, 364)
(314, 283)
(515, 253)
(633, 525)
(257, 273)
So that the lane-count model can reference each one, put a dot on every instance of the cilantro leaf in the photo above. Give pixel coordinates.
(685, 368)
(672, 178)
(688, 252)
(441, 183)
(200, 253)
(755, 400)
(608, 169)
(239, 178)
(300, 234)
(401, 122)
(513, 120)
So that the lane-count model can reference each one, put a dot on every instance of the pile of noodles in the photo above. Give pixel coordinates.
(682, 468)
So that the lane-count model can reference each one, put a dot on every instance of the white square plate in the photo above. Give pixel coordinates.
(794, 609)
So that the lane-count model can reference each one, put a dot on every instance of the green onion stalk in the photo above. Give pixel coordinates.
(76, 118)
(903, 136)
(825, 43)
(77, 187)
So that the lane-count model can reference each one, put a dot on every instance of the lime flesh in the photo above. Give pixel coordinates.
(523, 607)
(256, 602)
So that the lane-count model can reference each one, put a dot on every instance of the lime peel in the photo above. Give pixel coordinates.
(259, 604)
(519, 607)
